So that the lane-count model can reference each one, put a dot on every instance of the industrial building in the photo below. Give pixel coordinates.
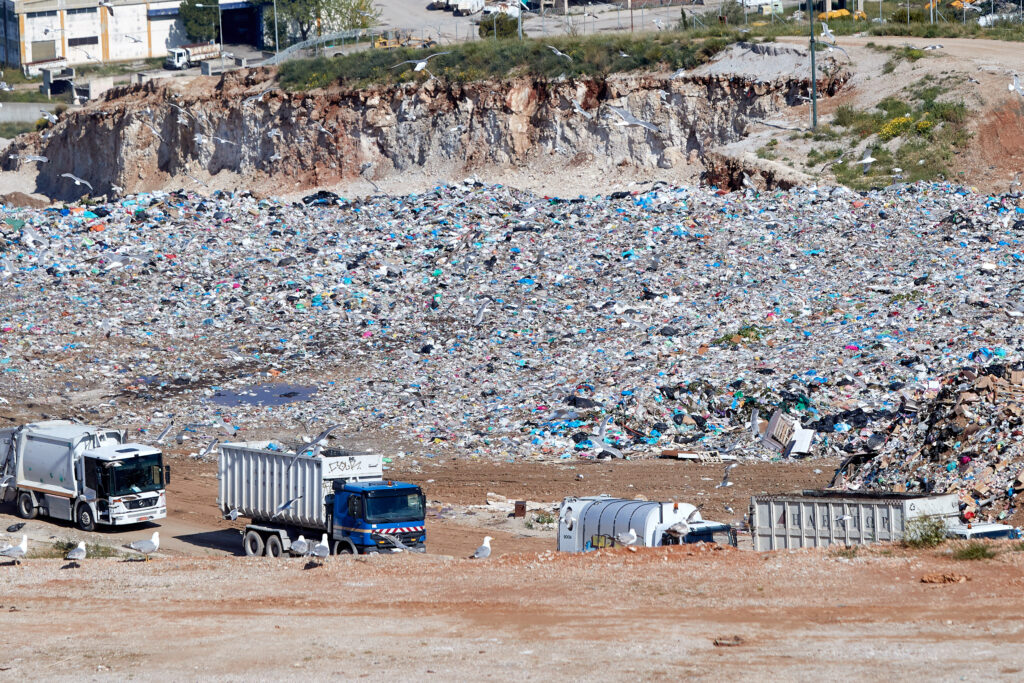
(83, 31)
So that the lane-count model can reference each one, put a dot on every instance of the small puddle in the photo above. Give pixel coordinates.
(264, 395)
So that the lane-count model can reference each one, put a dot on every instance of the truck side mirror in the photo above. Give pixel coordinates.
(167, 475)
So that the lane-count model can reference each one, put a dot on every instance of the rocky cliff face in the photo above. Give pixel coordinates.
(146, 137)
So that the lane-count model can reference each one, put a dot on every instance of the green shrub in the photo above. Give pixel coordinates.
(974, 551)
(502, 24)
(924, 532)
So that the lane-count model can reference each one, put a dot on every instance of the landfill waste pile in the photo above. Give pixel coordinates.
(482, 321)
(967, 439)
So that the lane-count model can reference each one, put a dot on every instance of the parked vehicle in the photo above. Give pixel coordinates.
(465, 8)
(287, 493)
(187, 56)
(78, 472)
(594, 522)
(812, 519)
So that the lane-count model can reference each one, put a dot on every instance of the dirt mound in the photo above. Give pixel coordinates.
(23, 201)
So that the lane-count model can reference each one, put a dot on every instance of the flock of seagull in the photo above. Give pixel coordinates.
(16, 553)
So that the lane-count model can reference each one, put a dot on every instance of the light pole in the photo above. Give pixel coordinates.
(814, 75)
(220, 21)
(277, 44)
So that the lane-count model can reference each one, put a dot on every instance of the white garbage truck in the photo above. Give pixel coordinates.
(81, 473)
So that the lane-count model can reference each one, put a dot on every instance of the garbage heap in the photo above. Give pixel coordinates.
(965, 440)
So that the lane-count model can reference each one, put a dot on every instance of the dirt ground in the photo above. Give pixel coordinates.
(529, 612)
(610, 615)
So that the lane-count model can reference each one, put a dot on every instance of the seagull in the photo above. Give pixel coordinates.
(224, 141)
(583, 112)
(322, 549)
(421, 64)
(395, 541)
(5, 87)
(147, 547)
(275, 157)
(233, 515)
(629, 120)
(155, 132)
(30, 157)
(559, 53)
(362, 171)
(117, 188)
(319, 126)
(164, 433)
(196, 179)
(827, 34)
(283, 507)
(725, 478)
(627, 539)
(110, 8)
(76, 554)
(867, 160)
(1015, 183)
(133, 38)
(274, 133)
(78, 181)
(836, 47)
(224, 426)
(623, 55)
(480, 313)
(748, 183)
(52, 118)
(257, 98)
(16, 552)
(300, 546)
(1015, 86)
(209, 447)
(933, 47)
(484, 551)
(6, 271)
(315, 445)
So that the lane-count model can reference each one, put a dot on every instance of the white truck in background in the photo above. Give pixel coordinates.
(80, 473)
(188, 56)
(465, 8)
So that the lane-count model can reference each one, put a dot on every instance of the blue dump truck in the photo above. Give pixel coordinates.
(289, 492)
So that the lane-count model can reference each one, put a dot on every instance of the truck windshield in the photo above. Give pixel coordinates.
(400, 506)
(137, 475)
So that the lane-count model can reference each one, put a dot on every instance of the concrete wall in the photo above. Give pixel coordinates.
(24, 111)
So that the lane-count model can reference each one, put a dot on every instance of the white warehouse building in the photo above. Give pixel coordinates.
(81, 31)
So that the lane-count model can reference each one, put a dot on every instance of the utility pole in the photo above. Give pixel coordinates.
(814, 76)
(277, 43)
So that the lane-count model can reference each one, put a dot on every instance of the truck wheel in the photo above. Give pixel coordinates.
(343, 548)
(84, 518)
(26, 506)
(274, 547)
(252, 542)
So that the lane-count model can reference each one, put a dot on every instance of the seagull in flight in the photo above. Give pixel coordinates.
(725, 478)
(827, 34)
(164, 433)
(110, 7)
(583, 112)
(867, 160)
(133, 38)
(30, 157)
(559, 53)
(257, 98)
(49, 116)
(629, 120)
(421, 64)
(155, 131)
(78, 181)
(626, 539)
(224, 141)
(395, 541)
(287, 505)
(196, 179)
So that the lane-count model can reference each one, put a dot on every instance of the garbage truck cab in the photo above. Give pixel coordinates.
(364, 510)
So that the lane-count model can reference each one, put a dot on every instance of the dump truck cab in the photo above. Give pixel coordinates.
(366, 510)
